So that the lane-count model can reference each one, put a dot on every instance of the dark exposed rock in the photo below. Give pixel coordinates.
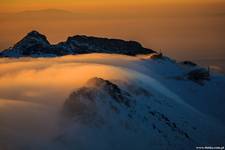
(188, 63)
(198, 75)
(172, 125)
(35, 44)
(32, 43)
(156, 56)
(86, 44)
(83, 101)
(112, 89)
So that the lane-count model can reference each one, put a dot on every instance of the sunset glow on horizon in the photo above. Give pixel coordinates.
(82, 5)
(187, 29)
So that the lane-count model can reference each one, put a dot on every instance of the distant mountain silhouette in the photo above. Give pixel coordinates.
(44, 14)
(35, 44)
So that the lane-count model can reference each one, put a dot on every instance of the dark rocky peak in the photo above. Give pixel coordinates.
(101, 83)
(33, 37)
(95, 91)
(111, 89)
(106, 45)
(96, 40)
(37, 35)
(35, 44)
(32, 44)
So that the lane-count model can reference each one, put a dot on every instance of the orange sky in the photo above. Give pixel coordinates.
(78, 5)
(183, 29)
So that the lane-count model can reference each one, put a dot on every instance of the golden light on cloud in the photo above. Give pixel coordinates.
(35, 78)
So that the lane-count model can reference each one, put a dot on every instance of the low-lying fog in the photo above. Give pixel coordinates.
(33, 90)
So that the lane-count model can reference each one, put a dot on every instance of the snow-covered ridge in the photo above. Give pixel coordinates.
(130, 112)
(35, 44)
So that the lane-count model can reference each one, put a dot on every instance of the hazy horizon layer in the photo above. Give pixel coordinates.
(184, 30)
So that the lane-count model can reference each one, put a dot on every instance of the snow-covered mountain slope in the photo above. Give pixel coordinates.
(131, 116)
(122, 102)
(35, 44)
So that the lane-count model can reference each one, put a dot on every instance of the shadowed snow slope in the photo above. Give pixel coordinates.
(108, 116)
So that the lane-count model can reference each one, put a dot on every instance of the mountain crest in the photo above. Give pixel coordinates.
(87, 96)
(36, 34)
(35, 44)
(32, 38)
(97, 44)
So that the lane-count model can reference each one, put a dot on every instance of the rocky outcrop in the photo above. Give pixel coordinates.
(83, 101)
(35, 44)
(199, 75)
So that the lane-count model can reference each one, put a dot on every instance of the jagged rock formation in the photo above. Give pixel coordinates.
(35, 44)
(96, 86)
